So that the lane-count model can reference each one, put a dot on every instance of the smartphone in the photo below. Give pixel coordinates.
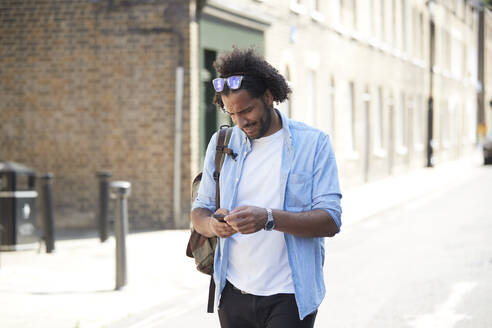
(219, 217)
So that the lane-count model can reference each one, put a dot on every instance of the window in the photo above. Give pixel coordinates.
(472, 63)
(421, 36)
(354, 13)
(378, 124)
(286, 106)
(366, 137)
(401, 130)
(371, 21)
(413, 32)
(456, 57)
(403, 25)
(445, 123)
(350, 120)
(446, 50)
(464, 61)
(331, 107)
(297, 6)
(348, 13)
(453, 130)
(391, 123)
(471, 117)
(393, 22)
(460, 8)
(382, 18)
(337, 13)
(316, 12)
(311, 98)
(442, 123)
(325, 115)
(418, 123)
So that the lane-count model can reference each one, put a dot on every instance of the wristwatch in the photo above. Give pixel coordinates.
(270, 224)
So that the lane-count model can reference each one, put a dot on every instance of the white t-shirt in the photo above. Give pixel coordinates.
(258, 262)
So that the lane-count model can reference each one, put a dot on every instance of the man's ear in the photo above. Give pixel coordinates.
(268, 98)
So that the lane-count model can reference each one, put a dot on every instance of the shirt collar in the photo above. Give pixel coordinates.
(286, 129)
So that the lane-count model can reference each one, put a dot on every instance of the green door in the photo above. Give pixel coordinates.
(216, 37)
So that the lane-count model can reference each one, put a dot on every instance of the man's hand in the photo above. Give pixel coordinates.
(247, 219)
(221, 229)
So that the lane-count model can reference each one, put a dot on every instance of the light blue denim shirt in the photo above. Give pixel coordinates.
(309, 181)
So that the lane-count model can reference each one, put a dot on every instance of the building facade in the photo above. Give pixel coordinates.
(362, 71)
(95, 85)
(487, 71)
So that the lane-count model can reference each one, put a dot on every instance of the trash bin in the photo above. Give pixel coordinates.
(17, 207)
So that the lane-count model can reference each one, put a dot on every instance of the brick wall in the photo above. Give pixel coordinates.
(89, 85)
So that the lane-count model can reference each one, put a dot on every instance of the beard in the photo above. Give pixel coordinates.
(264, 122)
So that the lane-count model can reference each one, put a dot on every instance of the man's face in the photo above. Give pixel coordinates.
(252, 115)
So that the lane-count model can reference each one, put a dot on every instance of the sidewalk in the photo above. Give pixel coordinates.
(74, 287)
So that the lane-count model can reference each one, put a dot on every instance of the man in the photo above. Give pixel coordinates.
(280, 196)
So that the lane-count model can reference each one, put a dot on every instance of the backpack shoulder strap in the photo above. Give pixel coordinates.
(220, 152)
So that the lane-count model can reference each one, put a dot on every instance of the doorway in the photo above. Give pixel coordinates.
(218, 36)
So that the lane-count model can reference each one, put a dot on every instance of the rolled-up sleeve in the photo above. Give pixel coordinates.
(326, 187)
(206, 191)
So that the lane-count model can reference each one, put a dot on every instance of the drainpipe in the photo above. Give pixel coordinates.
(430, 101)
(170, 14)
(482, 127)
(178, 137)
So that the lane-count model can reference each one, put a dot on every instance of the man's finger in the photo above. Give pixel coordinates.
(240, 214)
(226, 231)
(231, 218)
(246, 226)
(239, 208)
(241, 211)
(243, 223)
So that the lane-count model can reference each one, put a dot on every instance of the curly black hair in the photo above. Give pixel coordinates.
(258, 74)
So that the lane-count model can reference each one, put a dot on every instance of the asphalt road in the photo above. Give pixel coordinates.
(424, 264)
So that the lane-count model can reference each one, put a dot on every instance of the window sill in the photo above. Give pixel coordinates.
(356, 36)
(339, 28)
(402, 150)
(297, 8)
(375, 43)
(352, 155)
(417, 62)
(380, 152)
(446, 145)
(318, 17)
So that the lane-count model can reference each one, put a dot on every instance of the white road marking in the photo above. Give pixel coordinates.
(445, 316)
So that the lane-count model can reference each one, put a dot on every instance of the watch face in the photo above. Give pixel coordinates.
(269, 226)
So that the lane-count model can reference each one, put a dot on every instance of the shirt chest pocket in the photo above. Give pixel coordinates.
(298, 192)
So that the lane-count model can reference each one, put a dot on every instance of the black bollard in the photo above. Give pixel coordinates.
(121, 190)
(102, 219)
(48, 223)
(1, 232)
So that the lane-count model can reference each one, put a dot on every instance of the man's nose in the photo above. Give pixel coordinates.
(241, 121)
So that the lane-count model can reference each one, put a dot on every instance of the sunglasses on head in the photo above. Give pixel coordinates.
(234, 82)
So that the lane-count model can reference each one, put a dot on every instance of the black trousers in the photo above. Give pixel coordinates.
(238, 310)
